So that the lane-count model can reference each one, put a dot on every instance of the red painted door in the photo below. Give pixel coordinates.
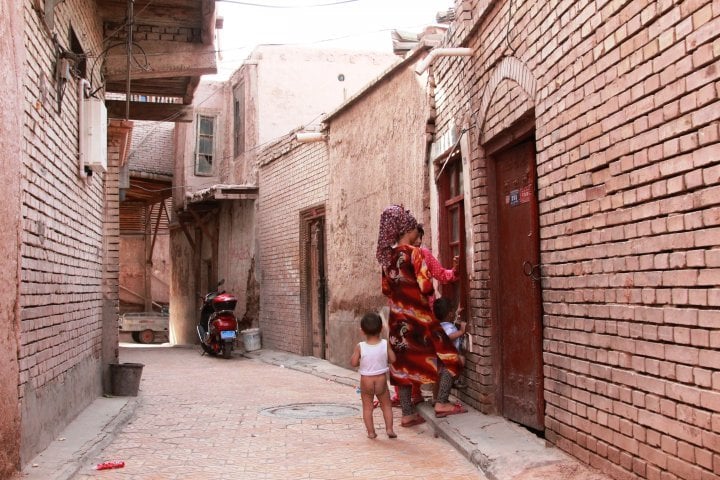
(518, 296)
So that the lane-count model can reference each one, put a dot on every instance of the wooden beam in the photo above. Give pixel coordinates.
(161, 112)
(208, 22)
(148, 259)
(190, 90)
(161, 58)
(169, 14)
(187, 234)
(202, 222)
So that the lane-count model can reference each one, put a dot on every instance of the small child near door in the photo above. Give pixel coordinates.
(373, 357)
(443, 311)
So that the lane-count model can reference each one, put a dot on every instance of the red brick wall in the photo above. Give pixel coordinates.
(62, 239)
(627, 117)
(292, 178)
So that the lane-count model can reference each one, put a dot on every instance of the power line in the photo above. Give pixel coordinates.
(265, 5)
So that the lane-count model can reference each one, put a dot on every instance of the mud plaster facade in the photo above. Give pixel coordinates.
(623, 97)
(54, 343)
(377, 151)
(11, 121)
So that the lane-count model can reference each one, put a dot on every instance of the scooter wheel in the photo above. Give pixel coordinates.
(227, 349)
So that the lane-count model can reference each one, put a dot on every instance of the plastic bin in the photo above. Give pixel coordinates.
(251, 339)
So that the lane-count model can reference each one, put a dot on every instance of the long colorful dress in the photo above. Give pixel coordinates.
(417, 339)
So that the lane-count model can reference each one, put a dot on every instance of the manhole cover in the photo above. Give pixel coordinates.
(300, 411)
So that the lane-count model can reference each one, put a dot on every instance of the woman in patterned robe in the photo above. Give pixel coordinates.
(424, 352)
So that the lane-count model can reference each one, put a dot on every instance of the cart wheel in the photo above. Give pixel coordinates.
(146, 336)
(135, 336)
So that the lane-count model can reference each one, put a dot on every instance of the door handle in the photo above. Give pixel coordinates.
(532, 271)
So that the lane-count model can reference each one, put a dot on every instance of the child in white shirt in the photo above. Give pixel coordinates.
(373, 356)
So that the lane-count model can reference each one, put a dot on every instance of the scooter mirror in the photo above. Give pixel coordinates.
(221, 282)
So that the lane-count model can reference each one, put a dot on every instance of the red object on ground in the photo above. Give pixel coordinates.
(109, 465)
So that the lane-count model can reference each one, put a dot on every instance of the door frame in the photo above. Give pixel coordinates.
(461, 287)
(519, 132)
(307, 216)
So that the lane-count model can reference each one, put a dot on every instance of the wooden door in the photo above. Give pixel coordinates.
(518, 294)
(316, 285)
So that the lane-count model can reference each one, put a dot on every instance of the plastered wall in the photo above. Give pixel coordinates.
(11, 115)
(377, 149)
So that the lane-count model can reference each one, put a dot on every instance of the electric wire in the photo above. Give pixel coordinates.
(265, 5)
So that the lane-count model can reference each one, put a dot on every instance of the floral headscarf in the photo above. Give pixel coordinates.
(394, 222)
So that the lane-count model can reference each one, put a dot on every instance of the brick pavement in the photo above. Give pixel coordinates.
(200, 418)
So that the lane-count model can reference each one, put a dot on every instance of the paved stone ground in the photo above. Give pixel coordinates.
(202, 418)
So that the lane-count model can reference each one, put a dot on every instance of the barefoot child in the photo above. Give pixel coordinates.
(372, 356)
(444, 313)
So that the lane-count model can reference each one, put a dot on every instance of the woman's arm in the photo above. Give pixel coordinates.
(391, 355)
(355, 358)
(438, 272)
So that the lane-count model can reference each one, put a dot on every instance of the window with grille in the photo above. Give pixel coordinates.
(205, 149)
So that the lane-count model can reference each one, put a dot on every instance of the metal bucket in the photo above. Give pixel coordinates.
(125, 378)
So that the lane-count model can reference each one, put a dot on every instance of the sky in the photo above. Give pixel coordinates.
(344, 24)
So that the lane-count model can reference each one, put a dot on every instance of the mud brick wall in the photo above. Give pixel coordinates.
(627, 116)
(292, 178)
(62, 228)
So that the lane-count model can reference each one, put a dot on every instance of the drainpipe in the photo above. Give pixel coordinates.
(83, 86)
(309, 137)
(441, 52)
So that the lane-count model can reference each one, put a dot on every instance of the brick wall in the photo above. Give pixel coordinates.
(152, 147)
(61, 291)
(627, 118)
(292, 178)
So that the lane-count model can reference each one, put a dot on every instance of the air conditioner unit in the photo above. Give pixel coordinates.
(95, 134)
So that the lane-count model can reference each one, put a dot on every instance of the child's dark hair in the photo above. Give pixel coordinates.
(371, 323)
(441, 308)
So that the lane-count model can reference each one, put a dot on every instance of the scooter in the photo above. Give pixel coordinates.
(218, 326)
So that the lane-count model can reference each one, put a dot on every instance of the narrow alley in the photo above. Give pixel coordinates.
(200, 417)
